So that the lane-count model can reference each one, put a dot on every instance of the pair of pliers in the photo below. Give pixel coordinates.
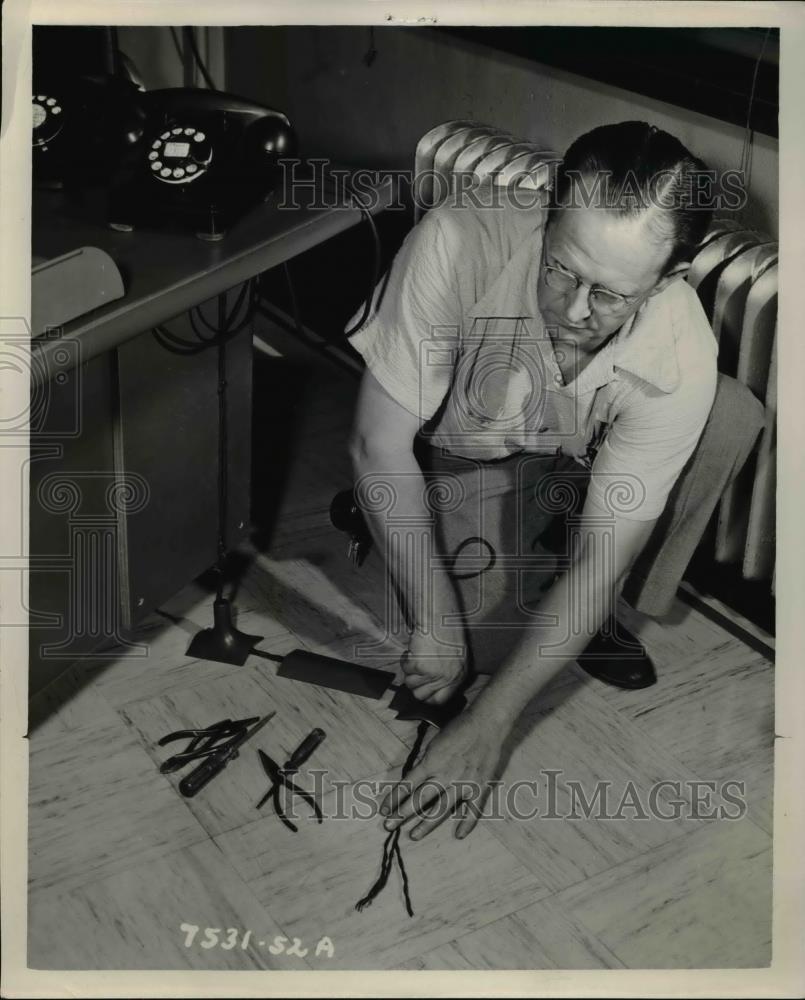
(203, 742)
(280, 777)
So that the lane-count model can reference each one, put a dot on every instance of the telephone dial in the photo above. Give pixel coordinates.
(204, 158)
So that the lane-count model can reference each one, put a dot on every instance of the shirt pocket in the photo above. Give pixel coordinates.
(599, 422)
(583, 447)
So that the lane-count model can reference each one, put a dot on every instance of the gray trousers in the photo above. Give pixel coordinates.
(505, 531)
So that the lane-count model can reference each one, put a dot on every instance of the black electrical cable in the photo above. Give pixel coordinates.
(375, 274)
(114, 51)
(248, 287)
(245, 289)
(191, 38)
(176, 344)
(248, 316)
(274, 657)
(203, 319)
(491, 558)
(376, 254)
(371, 53)
(746, 149)
(177, 44)
(204, 338)
(320, 346)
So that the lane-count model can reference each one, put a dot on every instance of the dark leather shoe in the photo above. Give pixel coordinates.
(621, 661)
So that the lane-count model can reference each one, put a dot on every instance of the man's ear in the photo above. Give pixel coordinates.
(678, 271)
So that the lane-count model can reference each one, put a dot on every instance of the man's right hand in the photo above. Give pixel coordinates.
(433, 671)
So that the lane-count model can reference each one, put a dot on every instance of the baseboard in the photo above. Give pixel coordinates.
(729, 619)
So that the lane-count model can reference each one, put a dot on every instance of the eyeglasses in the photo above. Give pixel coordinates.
(602, 299)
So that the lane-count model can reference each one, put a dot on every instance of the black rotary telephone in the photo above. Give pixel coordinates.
(82, 126)
(204, 158)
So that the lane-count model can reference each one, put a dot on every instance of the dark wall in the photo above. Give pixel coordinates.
(366, 97)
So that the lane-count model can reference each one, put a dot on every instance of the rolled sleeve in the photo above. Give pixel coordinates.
(409, 340)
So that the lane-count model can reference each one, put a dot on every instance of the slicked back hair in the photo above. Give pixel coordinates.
(633, 168)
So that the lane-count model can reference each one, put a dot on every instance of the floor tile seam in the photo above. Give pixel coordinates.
(632, 859)
(662, 748)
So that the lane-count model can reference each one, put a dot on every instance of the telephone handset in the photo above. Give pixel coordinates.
(204, 158)
(82, 126)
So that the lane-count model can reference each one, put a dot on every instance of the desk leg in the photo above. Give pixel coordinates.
(167, 433)
(222, 642)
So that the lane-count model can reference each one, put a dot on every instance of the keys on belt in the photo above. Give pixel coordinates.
(346, 515)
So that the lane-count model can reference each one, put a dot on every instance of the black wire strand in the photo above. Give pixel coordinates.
(391, 845)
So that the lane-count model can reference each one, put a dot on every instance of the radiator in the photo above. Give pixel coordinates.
(735, 276)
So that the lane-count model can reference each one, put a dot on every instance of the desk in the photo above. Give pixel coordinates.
(124, 434)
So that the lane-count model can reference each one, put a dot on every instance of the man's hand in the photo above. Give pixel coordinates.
(458, 766)
(432, 672)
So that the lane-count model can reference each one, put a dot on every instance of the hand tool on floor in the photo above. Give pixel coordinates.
(203, 742)
(340, 675)
(280, 777)
(218, 759)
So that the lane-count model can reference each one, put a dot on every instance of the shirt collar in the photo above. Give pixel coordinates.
(644, 346)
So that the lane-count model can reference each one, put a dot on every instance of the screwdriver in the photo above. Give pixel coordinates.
(304, 751)
(216, 762)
